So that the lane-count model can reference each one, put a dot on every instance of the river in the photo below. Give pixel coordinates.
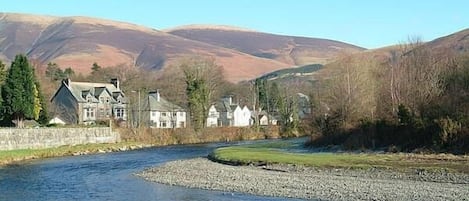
(106, 177)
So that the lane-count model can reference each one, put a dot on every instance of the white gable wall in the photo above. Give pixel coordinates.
(241, 116)
(213, 115)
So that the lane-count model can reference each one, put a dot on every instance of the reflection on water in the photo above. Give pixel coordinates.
(105, 177)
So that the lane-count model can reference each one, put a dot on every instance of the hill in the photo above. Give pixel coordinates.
(286, 49)
(78, 42)
(306, 71)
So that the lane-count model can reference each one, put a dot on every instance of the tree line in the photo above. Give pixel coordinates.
(193, 82)
(417, 99)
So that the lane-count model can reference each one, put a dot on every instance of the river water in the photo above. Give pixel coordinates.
(106, 177)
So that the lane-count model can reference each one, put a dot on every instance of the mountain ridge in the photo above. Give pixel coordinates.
(79, 41)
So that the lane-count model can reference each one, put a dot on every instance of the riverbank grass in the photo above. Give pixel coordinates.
(245, 155)
(10, 156)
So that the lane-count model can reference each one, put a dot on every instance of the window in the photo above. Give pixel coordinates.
(153, 114)
(174, 114)
(163, 124)
(119, 112)
(181, 114)
(89, 113)
(163, 114)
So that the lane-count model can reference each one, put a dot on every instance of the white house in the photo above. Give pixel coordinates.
(213, 119)
(241, 116)
(263, 118)
(227, 113)
(164, 114)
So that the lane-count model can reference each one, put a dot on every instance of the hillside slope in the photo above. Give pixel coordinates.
(78, 42)
(287, 49)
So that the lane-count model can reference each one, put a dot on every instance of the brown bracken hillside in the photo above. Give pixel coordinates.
(78, 42)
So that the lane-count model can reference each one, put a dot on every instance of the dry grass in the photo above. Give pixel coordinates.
(189, 136)
(401, 162)
(11, 156)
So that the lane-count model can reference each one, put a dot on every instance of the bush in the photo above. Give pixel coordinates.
(447, 132)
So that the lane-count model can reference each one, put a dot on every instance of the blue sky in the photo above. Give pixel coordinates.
(366, 23)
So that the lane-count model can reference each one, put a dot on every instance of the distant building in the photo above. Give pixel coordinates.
(263, 118)
(213, 118)
(164, 114)
(304, 106)
(227, 113)
(88, 102)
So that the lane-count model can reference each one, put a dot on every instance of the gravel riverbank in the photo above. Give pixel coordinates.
(312, 183)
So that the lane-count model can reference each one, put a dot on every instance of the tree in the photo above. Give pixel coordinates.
(288, 112)
(2, 76)
(203, 78)
(68, 72)
(262, 98)
(40, 105)
(95, 68)
(54, 73)
(412, 77)
(274, 98)
(3, 73)
(350, 93)
(18, 92)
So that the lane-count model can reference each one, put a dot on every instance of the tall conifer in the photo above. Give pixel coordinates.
(18, 91)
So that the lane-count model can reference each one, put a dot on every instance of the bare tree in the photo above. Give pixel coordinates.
(351, 87)
(414, 76)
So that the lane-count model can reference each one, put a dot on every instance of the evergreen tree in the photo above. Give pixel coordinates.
(95, 68)
(42, 116)
(68, 72)
(54, 73)
(3, 73)
(261, 93)
(2, 77)
(18, 92)
(203, 78)
(274, 98)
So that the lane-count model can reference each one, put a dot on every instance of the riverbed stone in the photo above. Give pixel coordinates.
(311, 183)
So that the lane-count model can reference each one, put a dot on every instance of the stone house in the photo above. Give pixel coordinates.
(88, 102)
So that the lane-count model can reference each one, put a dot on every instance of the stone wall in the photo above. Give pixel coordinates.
(37, 138)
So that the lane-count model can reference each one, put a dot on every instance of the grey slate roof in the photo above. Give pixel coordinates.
(82, 89)
(162, 105)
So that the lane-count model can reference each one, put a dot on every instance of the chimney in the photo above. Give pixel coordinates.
(116, 83)
(158, 95)
(228, 99)
(155, 94)
(66, 82)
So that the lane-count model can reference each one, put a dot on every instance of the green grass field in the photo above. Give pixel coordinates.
(245, 155)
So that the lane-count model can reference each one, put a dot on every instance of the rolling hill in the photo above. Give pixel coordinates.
(287, 49)
(78, 42)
